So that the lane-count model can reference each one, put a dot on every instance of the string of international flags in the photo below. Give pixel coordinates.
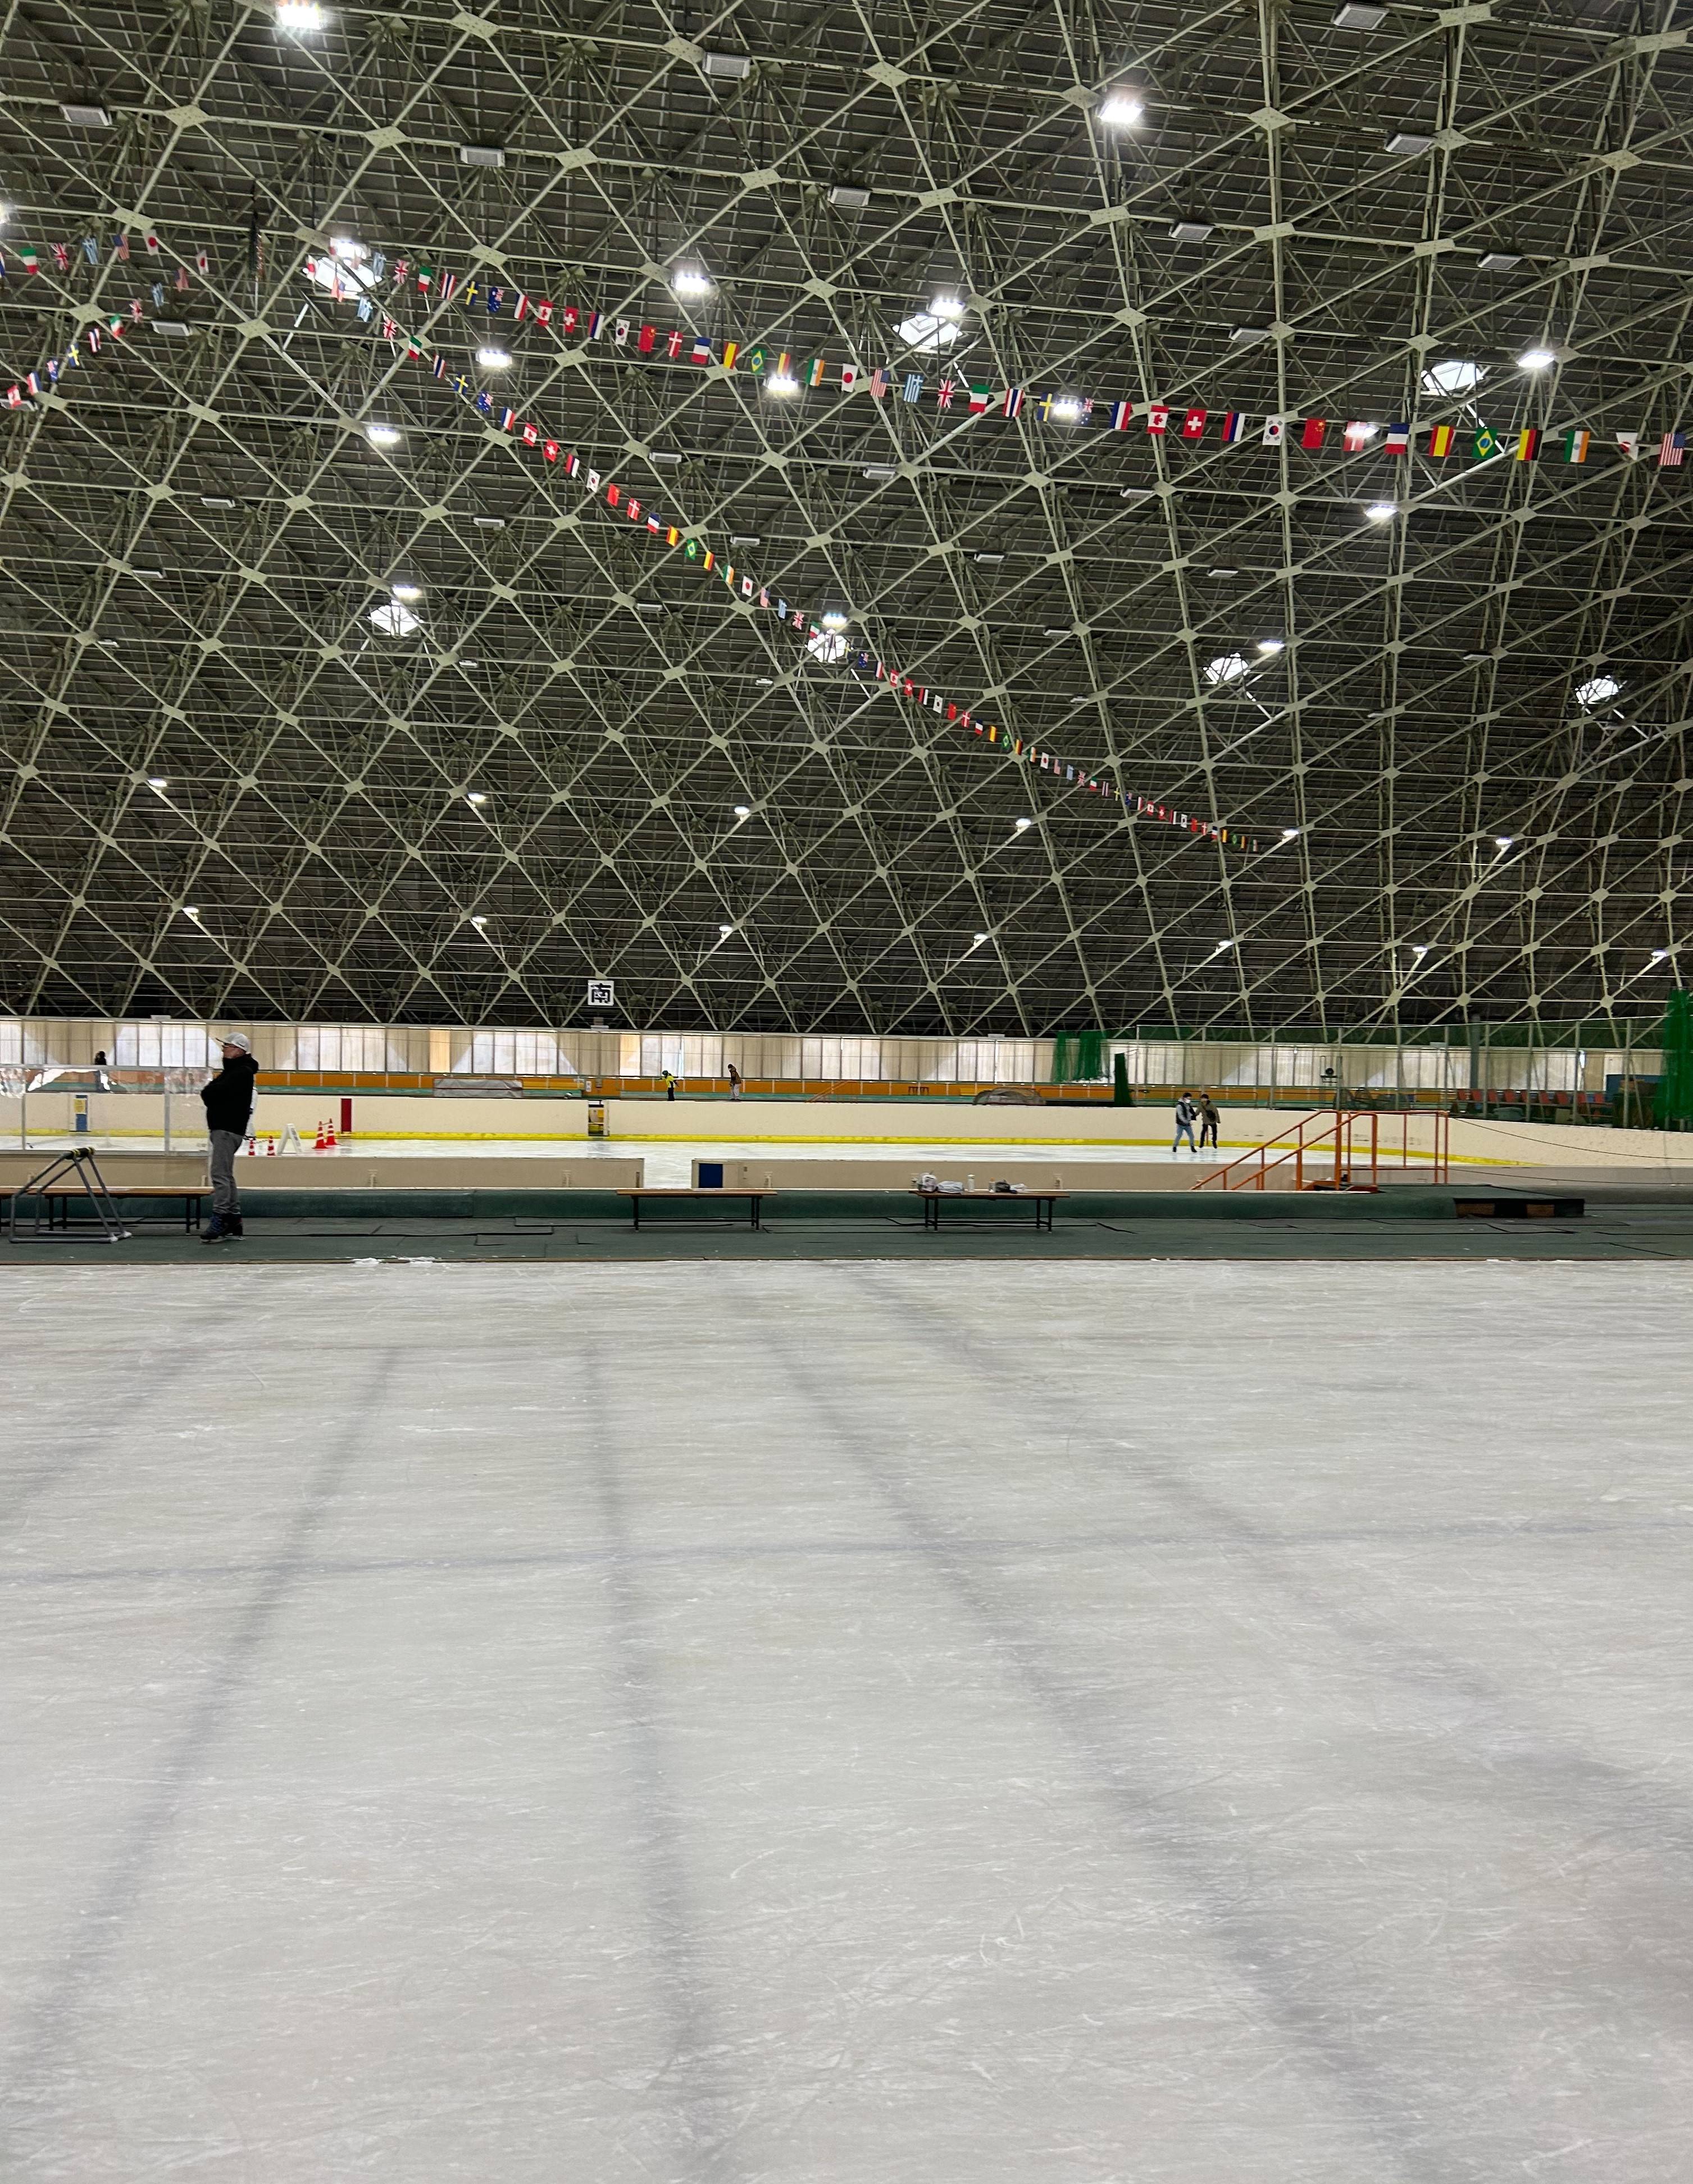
(820, 633)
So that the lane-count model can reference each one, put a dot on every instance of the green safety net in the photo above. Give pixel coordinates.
(1120, 1095)
(1673, 1103)
(1078, 1057)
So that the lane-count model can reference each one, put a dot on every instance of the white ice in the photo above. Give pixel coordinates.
(752, 1723)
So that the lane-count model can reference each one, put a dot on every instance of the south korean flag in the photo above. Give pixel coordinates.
(1275, 431)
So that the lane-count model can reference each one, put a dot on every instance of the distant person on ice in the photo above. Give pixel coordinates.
(670, 1081)
(1208, 1119)
(1187, 1114)
(228, 1102)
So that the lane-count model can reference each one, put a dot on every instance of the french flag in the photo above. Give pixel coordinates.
(1121, 414)
(702, 350)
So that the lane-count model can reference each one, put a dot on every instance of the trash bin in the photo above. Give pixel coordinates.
(596, 1118)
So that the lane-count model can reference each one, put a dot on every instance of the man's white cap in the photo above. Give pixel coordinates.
(237, 1039)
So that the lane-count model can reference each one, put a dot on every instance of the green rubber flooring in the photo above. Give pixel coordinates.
(1626, 1232)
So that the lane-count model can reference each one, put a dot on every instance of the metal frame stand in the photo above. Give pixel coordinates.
(85, 1168)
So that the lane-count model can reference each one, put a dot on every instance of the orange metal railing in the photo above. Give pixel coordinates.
(1340, 1151)
(1323, 1152)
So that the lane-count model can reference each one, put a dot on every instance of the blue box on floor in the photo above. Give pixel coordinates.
(710, 1175)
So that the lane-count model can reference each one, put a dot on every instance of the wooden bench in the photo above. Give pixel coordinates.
(59, 1197)
(1043, 1201)
(755, 1198)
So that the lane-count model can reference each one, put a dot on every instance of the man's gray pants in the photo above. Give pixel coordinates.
(225, 1204)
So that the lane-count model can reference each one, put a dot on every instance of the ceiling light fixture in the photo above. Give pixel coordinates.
(745, 539)
(926, 333)
(1122, 110)
(300, 15)
(1499, 261)
(1289, 833)
(1419, 948)
(1503, 841)
(946, 306)
(1222, 947)
(882, 471)
(1598, 690)
(1226, 667)
(781, 382)
(1537, 359)
(846, 198)
(977, 939)
(159, 781)
(476, 796)
(1190, 230)
(1456, 375)
(1356, 15)
(382, 436)
(86, 117)
(1382, 511)
(405, 591)
(493, 359)
(743, 811)
(1269, 644)
(1409, 143)
(216, 500)
(689, 281)
(834, 619)
(732, 68)
(1244, 334)
(1022, 826)
(724, 931)
(479, 923)
(1066, 408)
(480, 155)
(189, 910)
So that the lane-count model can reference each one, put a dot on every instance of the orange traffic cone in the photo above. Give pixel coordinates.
(320, 1142)
(252, 1144)
(329, 1142)
(271, 1144)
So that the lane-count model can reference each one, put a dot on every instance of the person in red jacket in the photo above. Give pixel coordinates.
(228, 1102)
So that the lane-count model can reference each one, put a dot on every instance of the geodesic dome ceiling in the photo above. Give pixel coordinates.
(311, 662)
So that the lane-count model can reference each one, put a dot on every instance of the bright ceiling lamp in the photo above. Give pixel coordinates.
(1271, 645)
(1226, 667)
(493, 359)
(1066, 408)
(1022, 826)
(406, 591)
(781, 382)
(1598, 690)
(1503, 842)
(689, 281)
(382, 436)
(834, 619)
(1537, 359)
(1122, 110)
(1289, 833)
(946, 306)
(1381, 512)
(1457, 375)
(926, 333)
(743, 811)
(300, 15)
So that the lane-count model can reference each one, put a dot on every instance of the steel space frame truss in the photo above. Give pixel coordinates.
(228, 793)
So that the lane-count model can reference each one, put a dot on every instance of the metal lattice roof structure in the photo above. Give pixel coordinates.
(197, 530)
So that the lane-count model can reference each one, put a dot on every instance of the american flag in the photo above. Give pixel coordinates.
(880, 381)
(1671, 449)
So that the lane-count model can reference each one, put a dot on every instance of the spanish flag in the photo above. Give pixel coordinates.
(1440, 437)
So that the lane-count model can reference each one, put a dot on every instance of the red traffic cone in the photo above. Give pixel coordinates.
(252, 1144)
(329, 1141)
(271, 1144)
(318, 1144)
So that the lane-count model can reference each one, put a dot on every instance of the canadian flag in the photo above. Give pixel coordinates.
(1157, 418)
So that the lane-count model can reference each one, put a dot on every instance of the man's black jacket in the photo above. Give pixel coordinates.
(228, 1099)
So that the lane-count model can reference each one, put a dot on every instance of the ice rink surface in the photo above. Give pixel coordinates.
(710, 1723)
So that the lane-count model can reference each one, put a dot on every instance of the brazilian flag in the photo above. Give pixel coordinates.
(1488, 444)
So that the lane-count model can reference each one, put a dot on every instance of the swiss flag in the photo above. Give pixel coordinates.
(1192, 424)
